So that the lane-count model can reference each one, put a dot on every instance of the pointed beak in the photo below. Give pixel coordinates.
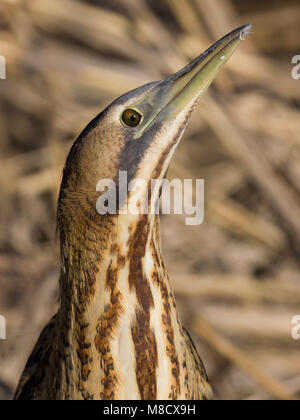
(181, 90)
(189, 83)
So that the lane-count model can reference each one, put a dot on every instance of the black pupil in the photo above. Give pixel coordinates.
(131, 118)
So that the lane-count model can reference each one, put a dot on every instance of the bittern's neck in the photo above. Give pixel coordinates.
(118, 322)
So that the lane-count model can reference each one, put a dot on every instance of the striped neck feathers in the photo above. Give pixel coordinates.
(117, 324)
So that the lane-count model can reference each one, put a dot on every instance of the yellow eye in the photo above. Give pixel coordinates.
(131, 118)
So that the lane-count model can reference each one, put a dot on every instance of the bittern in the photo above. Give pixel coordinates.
(117, 334)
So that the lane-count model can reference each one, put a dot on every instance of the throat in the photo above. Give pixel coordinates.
(118, 333)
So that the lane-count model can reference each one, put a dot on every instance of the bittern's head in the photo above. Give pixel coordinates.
(139, 132)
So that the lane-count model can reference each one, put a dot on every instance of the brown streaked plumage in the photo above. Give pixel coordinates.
(117, 334)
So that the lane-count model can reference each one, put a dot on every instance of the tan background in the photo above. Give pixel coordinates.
(237, 276)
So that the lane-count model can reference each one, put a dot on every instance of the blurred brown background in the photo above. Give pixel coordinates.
(237, 276)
